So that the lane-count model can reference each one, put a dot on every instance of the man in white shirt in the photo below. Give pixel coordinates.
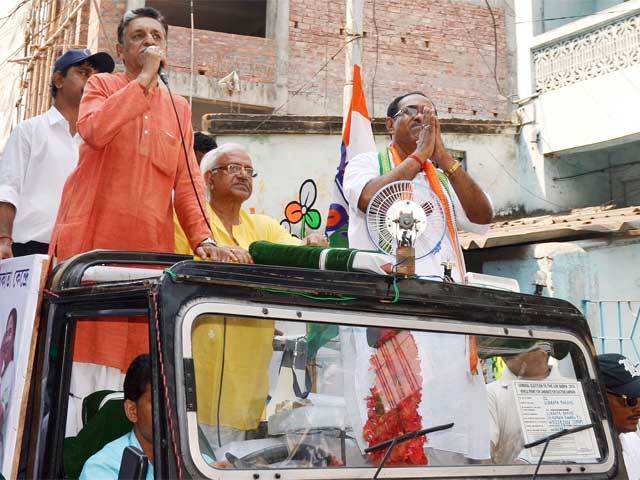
(452, 390)
(39, 155)
(507, 440)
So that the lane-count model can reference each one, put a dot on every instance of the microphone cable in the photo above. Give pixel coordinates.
(165, 80)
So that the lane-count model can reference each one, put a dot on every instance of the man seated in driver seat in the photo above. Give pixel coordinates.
(137, 406)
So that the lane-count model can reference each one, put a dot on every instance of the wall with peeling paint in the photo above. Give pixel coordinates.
(596, 270)
(285, 161)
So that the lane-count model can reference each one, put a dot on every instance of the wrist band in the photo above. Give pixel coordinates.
(417, 159)
(453, 169)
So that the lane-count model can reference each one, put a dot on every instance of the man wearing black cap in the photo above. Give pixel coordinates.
(40, 153)
(621, 378)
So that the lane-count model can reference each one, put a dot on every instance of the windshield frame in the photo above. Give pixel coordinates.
(189, 312)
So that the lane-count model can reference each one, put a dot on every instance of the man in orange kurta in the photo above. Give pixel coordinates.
(131, 175)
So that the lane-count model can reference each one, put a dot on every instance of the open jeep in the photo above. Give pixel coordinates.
(316, 398)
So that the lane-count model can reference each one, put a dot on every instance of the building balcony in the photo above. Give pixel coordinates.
(587, 78)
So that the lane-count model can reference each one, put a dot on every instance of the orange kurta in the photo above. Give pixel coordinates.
(130, 176)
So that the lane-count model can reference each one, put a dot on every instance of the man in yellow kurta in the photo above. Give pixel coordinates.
(230, 351)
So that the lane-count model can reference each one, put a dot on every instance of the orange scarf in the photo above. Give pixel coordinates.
(434, 182)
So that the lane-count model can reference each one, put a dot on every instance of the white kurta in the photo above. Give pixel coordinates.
(450, 393)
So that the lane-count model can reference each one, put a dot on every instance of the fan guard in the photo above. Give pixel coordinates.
(405, 197)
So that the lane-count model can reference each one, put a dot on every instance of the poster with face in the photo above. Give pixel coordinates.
(20, 285)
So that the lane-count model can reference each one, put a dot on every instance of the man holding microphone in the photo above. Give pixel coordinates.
(131, 174)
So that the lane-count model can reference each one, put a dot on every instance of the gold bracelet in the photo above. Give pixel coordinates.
(453, 169)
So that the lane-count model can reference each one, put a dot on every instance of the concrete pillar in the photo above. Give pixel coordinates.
(278, 10)
(524, 37)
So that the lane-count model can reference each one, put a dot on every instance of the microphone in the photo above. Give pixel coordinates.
(161, 73)
(164, 76)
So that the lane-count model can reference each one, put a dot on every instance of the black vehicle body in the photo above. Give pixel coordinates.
(161, 299)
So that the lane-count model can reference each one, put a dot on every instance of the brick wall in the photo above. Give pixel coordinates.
(103, 26)
(442, 47)
(455, 68)
(218, 54)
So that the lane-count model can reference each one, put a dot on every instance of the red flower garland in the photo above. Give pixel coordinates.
(402, 418)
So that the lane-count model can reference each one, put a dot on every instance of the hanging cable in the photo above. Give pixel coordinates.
(192, 56)
(186, 157)
(305, 84)
(375, 67)
(495, 46)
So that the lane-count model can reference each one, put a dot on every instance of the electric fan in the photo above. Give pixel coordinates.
(406, 219)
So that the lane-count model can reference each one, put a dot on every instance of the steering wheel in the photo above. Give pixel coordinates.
(304, 452)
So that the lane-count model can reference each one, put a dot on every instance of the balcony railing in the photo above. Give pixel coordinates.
(597, 50)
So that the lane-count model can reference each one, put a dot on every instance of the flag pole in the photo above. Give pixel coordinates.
(354, 22)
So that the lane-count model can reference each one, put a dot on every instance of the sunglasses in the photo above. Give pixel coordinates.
(628, 401)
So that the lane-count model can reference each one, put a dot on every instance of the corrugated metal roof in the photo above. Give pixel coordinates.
(580, 222)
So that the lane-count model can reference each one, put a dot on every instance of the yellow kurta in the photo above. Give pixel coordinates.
(247, 341)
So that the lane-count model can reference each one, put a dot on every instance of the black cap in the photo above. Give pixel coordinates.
(101, 61)
(619, 374)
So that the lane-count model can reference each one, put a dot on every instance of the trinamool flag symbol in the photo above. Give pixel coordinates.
(357, 137)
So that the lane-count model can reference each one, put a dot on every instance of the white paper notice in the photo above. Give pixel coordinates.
(548, 407)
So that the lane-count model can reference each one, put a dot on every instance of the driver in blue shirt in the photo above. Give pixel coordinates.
(137, 406)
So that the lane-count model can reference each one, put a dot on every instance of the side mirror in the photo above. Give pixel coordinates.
(134, 464)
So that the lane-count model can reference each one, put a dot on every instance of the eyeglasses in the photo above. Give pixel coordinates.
(628, 401)
(412, 111)
(236, 168)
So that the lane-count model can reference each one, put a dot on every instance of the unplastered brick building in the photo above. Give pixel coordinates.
(288, 56)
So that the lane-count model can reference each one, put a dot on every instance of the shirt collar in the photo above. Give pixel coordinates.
(55, 116)
(133, 440)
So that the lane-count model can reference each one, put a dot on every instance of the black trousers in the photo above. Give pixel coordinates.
(29, 248)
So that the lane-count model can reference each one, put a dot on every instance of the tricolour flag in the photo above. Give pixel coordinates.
(357, 137)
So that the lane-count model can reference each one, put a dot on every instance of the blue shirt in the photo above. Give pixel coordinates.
(105, 465)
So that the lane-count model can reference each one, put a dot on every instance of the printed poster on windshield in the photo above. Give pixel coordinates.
(549, 407)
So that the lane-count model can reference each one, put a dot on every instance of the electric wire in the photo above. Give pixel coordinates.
(520, 184)
(508, 98)
(12, 12)
(375, 68)
(495, 46)
(46, 25)
(305, 84)
(186, 159)
(165, 388)
(222, 361)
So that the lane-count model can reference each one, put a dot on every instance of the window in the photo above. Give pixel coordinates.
(552, 14)
(240, 17)
(279, 393)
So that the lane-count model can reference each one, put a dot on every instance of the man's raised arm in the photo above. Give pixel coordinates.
(406, 170)
(102, 114)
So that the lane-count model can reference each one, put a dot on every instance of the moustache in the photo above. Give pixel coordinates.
(634, 417)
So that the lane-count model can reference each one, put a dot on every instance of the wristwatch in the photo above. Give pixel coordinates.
(208, 241)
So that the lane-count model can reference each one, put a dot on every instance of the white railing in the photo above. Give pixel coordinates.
(588, 54)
